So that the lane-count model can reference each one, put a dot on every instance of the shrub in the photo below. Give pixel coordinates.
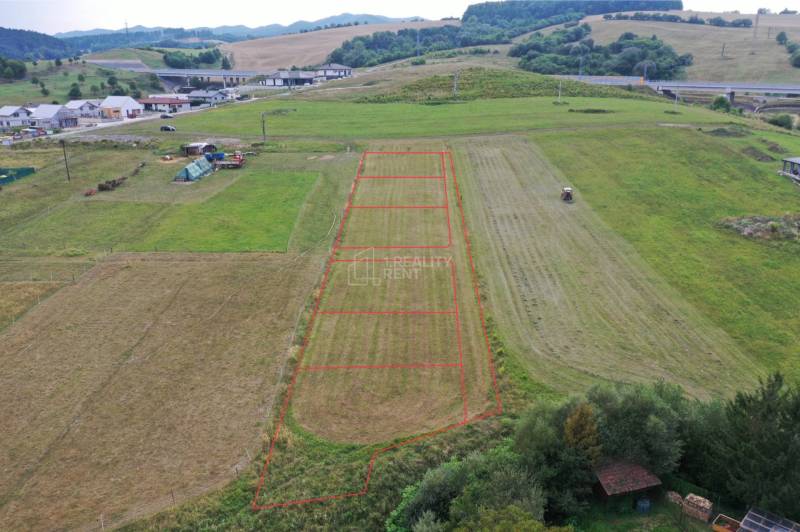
(74, 91)
(796, 59)
(721, 103)
(781, 38)
(783, 120)
(418, 61)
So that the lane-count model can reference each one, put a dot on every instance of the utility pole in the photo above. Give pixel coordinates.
(755, 26)
(264, 126)
(645, 70)
(127, 35)
(580, 68)
(455, 83)
(418, 42)
(676, 101)
(66, 163)
(559, 91)
(722, 54)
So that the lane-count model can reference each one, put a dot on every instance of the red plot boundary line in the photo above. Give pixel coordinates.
(421, 365)
(389, 312)
(465, 421)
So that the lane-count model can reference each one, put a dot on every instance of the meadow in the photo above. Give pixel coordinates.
(59, 80)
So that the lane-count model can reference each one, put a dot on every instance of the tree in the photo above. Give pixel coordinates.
(641, 423)
(112, 81)
(721, 103)
(796, 59)
(74, 92)
(94, 89)
(35, 80)
(45, 91)
(226, 63)
(782, 38)
(81, 78)
(580, 431)
(8, 73)
(761, 450)
(58, 62)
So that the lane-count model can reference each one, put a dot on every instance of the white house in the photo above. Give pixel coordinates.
(52, 116)
(334, 71)
(290, 78)
(119, 107)
(209, 97)
(84, 108)
(166, 105)
(12, 116)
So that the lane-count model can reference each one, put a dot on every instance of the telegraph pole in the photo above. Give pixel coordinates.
(66, 163)
(264, 126)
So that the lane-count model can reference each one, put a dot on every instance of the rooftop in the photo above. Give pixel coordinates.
(117, 101)
(46, 111)
(8, 110)
(293, 74)
(77, 104)
(164, 101)
(788, 159)
(620, 477)
(334, 66)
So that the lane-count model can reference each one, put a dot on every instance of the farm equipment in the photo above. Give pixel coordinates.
(111, 184)
(567, 194)
(235, 161)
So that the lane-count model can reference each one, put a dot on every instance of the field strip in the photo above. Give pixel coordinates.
(404, 300)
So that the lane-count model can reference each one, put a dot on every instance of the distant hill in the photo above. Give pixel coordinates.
(246, 31)
(23, 44)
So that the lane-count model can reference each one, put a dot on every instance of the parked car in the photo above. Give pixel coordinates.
(167, 128)
(167, 116)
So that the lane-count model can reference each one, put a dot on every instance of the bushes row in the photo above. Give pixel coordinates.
(694, 19)
(746, 450)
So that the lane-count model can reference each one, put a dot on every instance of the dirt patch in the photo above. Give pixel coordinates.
(758, 155)
(774, 147)
(735, 132)
(766, 227)
(591, 111)
(148, 376)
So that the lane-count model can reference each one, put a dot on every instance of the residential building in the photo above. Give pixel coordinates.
(52, 116)
(165, 105)
(84, 108)
(334, 71)
(210, 97)
(119, 107)
(12, 116)
(290, 78)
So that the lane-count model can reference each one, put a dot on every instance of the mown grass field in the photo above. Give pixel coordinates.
(345, 120)
(635, 281)
(668, 202)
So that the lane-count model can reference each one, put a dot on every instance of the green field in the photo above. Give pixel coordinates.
(637, 281)
(154, 58)
(58, 80)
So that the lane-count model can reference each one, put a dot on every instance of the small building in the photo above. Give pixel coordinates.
(209, 97)
(197, 148)
(194, 171)
(174, 95)
(13, 116)
(53, 116)
(791, 168)
(619, 477)
(290, 78)
(120, 107)
(334, 71)
(166, 105)
(762, 521)
(84, 108)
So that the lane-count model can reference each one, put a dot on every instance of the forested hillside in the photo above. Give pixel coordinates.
(23, 44)
(488, 23)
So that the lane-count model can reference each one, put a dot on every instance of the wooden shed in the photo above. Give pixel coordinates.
(620, 477)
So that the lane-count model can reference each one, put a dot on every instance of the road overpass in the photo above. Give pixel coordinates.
(229, 77)
(729, 88)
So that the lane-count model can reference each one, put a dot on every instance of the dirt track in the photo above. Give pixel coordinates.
(577, 302)
(306, 48)
(148, 375)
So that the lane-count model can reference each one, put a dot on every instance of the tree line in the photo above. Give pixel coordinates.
(694, 19)
(572, 51)
(11, 69)
(178, 59)
(30, 45)
(792, 47)
(745, 450)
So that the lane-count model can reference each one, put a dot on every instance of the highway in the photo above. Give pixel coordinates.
(694, 86)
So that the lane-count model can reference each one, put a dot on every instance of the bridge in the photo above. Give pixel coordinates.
(729, 88)
(229, 77)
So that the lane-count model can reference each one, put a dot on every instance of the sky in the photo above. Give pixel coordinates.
(52, 16)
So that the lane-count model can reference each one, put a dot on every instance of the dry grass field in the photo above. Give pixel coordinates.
(396, 346)
(152, 374)
(747, 57)
(306, 49)
(569, 294)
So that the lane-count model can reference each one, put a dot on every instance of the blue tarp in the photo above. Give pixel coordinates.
(9, 175)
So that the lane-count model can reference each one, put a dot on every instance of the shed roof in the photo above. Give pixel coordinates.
(157, 100)
(293, 74)
(120, 101)
(795, 160)
(618, 477)
(77, 104)
(205, 94)
(761, 521)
